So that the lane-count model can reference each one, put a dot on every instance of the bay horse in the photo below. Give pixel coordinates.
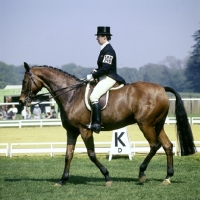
(144, 103)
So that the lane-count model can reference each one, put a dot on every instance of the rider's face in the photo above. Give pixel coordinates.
(101, 39)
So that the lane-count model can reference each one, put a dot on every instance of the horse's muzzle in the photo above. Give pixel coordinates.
(21, 103)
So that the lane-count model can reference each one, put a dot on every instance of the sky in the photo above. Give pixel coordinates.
(59, 32)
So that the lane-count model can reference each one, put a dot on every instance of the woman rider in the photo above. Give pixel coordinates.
(106, 73)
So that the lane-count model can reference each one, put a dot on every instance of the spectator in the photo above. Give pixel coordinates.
(37, 112)
(50, 115)
(3, 114)
(26, 113)
(12, 112)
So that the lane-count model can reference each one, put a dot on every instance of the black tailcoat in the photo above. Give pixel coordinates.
(107, 64)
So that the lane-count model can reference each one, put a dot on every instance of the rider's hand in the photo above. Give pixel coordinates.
(94, 70)
(89, 77)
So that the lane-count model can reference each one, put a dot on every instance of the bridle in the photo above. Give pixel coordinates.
(29, 95)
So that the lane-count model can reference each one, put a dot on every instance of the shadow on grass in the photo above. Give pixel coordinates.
(76, 180)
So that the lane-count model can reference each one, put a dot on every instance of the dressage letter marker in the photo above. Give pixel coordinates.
(120, 143)
(119, 139)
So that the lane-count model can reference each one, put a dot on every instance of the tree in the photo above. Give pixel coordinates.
(192, 71)
(8, 76)
(75, 70)
(173, 62)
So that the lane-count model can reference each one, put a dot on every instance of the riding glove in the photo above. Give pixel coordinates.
(89, 77)
(94, 70)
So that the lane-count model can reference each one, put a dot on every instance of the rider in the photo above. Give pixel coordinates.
(106, 73)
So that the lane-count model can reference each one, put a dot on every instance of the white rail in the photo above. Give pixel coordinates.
(4, 150)
(57, 122)
(195, 120)
(172, 120)
(143, 147)
(60, 147)
(31, 122)
(55, 147)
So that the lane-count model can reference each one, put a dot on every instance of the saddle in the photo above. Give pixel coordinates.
(103, 99)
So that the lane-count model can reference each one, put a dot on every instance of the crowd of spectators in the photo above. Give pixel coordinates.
(11, 113)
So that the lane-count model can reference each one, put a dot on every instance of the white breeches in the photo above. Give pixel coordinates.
(104, 84)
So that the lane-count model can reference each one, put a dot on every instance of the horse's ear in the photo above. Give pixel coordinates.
(26, 66)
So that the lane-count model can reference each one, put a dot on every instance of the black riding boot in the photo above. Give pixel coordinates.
(96, 118)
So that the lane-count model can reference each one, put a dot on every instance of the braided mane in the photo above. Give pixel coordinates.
(60, 70)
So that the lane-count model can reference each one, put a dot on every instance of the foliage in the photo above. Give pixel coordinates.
(78, 71)
(171, 74)
(163, 75)
(7, 75)
(192, 71)
(34, 178)
(129, 74)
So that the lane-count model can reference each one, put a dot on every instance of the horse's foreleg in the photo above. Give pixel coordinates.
(71, 142)
(102, 169)
(89, 143)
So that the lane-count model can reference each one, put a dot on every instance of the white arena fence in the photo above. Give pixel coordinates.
(191, 120)
(30, 122)
(60, 147)
(53, 148)
(57, 122)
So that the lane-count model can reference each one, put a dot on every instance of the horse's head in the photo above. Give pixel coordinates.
(31, 85)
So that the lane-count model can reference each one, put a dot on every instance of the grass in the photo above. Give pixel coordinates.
(57, 134)
(33, 178)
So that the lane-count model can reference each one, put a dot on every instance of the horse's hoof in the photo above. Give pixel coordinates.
(109, 183)
(142, 179)
(59, 183)
(166, 182)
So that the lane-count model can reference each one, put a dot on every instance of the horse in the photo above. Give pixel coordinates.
(143, 103)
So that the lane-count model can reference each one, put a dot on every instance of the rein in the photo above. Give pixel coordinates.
(72, 87)
(30, 94)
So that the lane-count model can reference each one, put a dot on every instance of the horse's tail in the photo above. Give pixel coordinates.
(184, 132)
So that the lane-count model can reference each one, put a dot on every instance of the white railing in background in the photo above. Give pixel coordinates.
(195, 120)
(172, 120)
(143, 147)
(4, 150)
(30, 122)
(32, 103)
(57, 147)
(60, 147)
(57, 122)
(54, 147)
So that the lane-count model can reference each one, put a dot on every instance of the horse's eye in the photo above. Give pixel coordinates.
(23, 82)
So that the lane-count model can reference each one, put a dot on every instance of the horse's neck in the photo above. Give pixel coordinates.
(54, 80)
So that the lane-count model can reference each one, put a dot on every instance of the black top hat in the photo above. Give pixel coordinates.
(103, 30)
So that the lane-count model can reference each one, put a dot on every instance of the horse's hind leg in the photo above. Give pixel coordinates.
(157, 137)
(71, 142)
(89, 143)
(168, 147)
(150, 135)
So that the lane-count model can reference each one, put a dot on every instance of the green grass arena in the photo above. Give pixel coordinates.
(33, 177)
